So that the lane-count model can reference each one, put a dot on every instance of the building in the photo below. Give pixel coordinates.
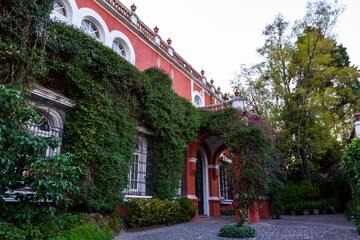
(119, 28)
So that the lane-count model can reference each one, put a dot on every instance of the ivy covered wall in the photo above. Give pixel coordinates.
(111, 98)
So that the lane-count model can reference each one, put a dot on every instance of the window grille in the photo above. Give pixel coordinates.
(223, 184)
(140, 177)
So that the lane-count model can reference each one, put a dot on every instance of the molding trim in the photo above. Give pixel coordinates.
(214, 198)
(194, 160)
(213, 166)
(191, 197)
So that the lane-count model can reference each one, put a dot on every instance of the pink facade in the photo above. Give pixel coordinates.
(142, 46)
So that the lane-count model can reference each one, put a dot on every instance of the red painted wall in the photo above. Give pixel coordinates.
(145, 56)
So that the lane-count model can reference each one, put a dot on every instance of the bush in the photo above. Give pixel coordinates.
(305, 191)
(88, 232)
(227, 212)
(233, 231)
(146, 212)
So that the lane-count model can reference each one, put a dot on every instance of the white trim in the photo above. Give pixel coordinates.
(129, 50)
(205, 181)
(96, 18)
(128, 197)
(214, 198)
(213, 166)
(193, 160)
(191, 196)
(198, 94)
(227, 201)
(145, 130)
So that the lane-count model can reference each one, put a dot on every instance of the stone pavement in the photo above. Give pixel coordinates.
(312, 227)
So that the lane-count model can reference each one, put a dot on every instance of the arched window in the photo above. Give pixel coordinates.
(198, 101)
(59, 12)
(119, 47)
(90, 28)
(48, 125)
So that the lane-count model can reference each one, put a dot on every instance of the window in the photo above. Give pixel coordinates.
(118, 47)
(223, 188)
(46, 128)
(140, 176)
(198, 101)
(59, 12)
(90, 28)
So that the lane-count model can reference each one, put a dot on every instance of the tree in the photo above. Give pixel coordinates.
(53, 181)
(309, 86)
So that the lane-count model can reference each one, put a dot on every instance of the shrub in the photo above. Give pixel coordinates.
(88, 232)
(233, 231)
(146, 212)
(305, 191)
(227, 212)
(290, 193)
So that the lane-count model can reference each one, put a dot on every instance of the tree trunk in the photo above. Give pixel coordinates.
(305, 172)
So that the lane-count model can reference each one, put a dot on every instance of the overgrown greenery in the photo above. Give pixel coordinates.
(54, 180)
(233, 231)
(258, 169)
(64, 226)
(111, 99)
(350, 165)
(145, 212)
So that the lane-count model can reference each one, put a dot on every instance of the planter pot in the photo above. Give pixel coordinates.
(292, 212)
(306, 211)
(316, 211)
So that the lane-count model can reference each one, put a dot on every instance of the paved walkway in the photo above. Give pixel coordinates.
(312, 227)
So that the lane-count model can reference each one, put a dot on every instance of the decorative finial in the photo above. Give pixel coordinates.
(202, 72)
(218, 89)
(156, 29)
(133, 8)
(237, 93)
(169, 41)
(212, 81)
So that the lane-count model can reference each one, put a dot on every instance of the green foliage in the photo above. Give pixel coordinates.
(54, 180)
(87, 231)
(145, 212)
(227, 212)
(23, 29)
(305, 191)
(233, 231)
(258, 170)
(305, 87)
(175, 122)
(350, 165)
(44, 229)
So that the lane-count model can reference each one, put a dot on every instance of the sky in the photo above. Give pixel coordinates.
(219, 36)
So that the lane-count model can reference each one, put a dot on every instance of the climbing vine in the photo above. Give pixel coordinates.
(111, 97)
(257, 171)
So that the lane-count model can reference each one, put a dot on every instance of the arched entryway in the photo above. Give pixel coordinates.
(202, 181)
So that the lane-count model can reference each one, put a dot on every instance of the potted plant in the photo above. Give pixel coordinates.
(324, 205)
(316, 205)
(305, 206)
(292, 208)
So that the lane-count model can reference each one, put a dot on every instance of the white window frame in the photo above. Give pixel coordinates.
(138, 167)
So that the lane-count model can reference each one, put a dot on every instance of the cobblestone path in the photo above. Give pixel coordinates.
(312, 227)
